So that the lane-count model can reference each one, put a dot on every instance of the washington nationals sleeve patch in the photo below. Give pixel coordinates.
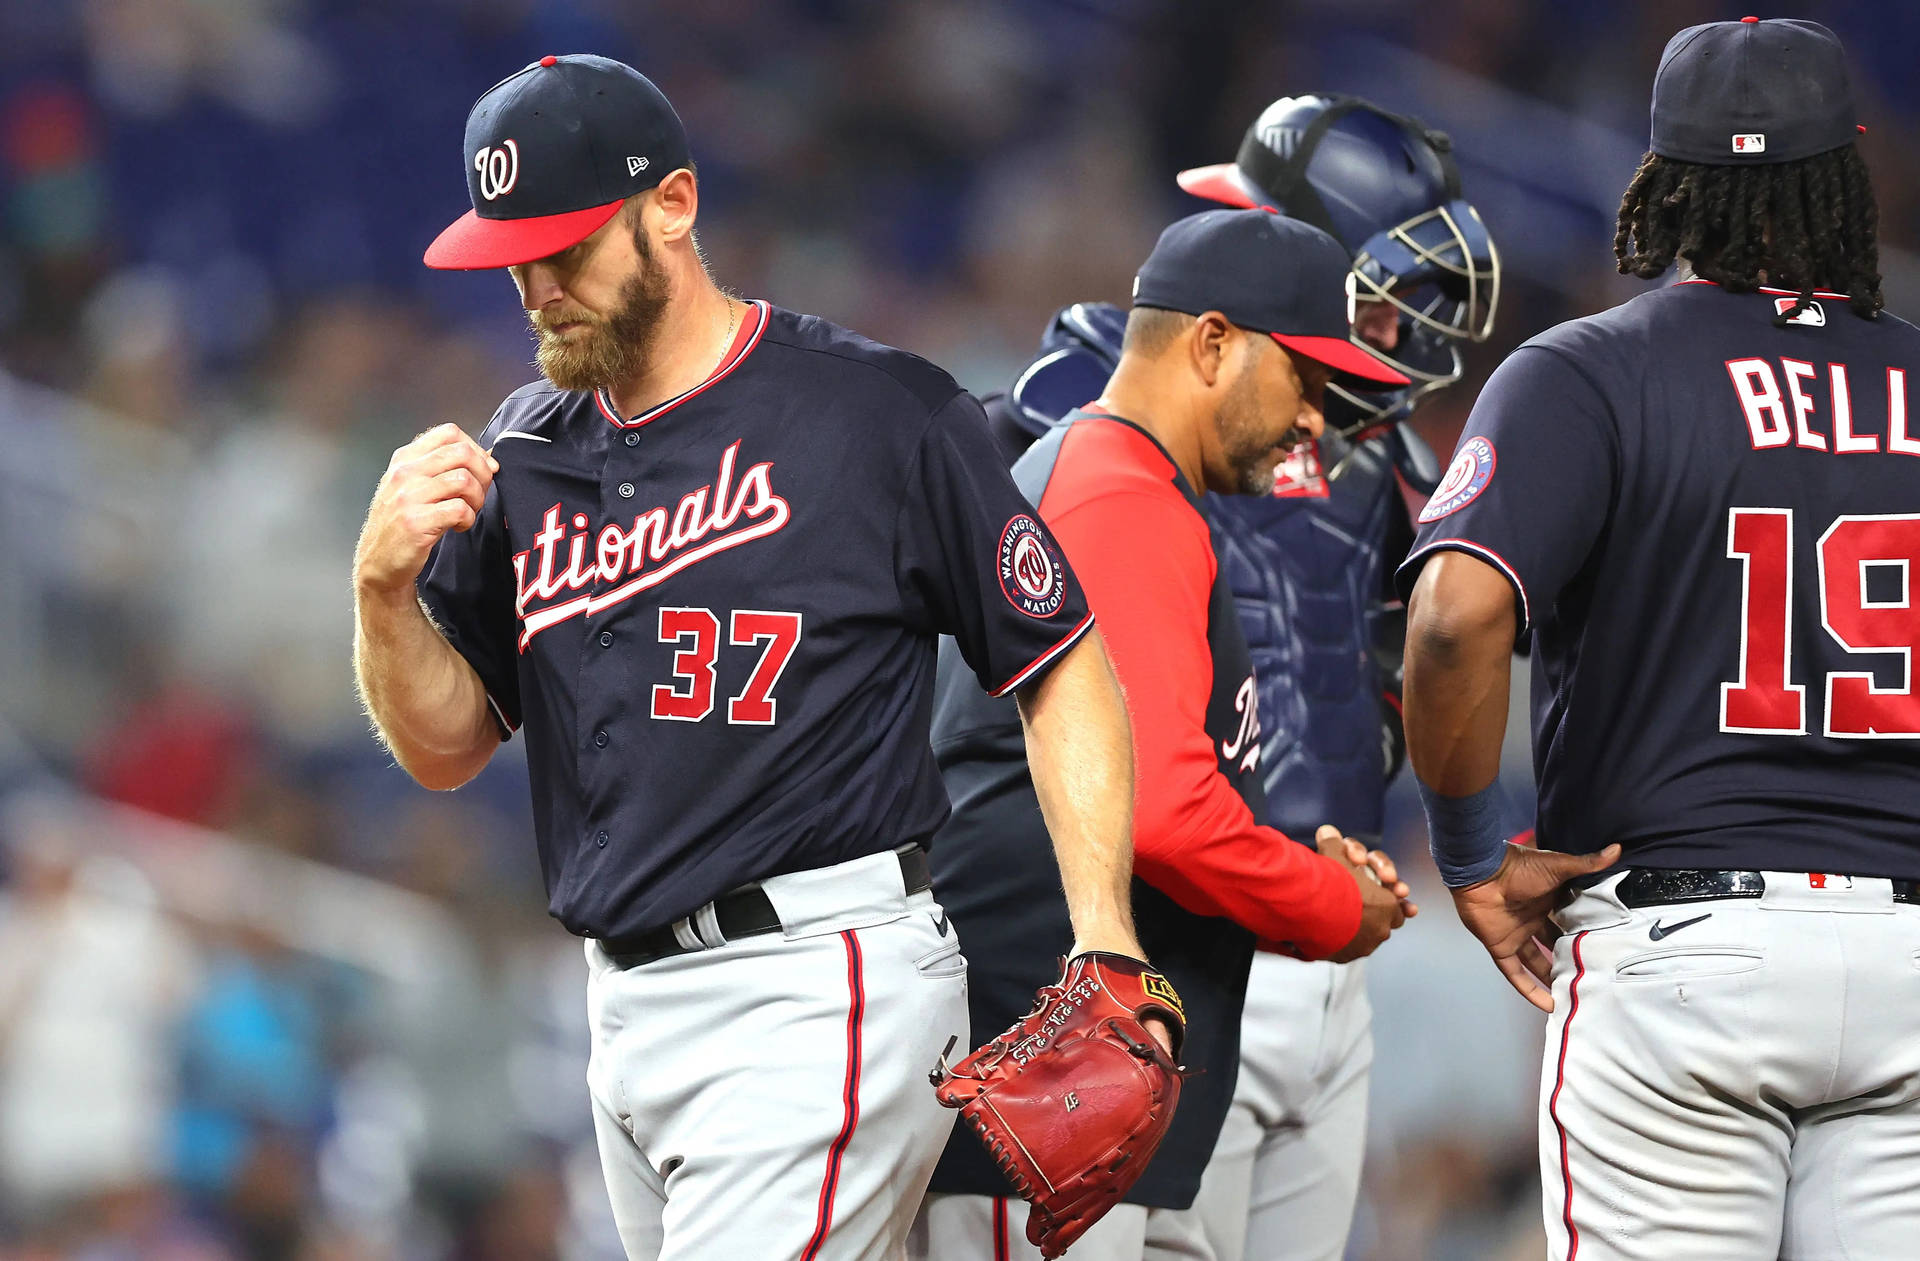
(1030, 573)
(1467, 476)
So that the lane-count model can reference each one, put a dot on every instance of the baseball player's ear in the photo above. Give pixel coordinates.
(676, 204)
(1210, 342)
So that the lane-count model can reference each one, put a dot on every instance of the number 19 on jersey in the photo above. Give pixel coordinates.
(1764, 700)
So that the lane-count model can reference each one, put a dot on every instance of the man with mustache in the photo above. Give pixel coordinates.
(1240, 320)
(705, 563)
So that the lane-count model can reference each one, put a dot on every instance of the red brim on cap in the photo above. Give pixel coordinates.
(1342, 356)
(471, 243)
(1222, 183)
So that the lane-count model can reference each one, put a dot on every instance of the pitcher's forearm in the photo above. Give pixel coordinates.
(427, 704)
(1080, 751)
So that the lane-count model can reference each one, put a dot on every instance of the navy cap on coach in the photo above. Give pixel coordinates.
(551, 152)
(1752, 92)
(1267, 273)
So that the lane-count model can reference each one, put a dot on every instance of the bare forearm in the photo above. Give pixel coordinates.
(1459, 666)
(1080, 751)
(426, 702)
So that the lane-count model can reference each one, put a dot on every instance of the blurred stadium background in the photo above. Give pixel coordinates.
(262, 998)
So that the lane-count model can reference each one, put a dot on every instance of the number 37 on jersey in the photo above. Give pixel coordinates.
(696, 634)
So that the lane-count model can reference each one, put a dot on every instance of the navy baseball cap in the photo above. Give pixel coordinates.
(1267, 273)
(551, 154)
(1752, 92)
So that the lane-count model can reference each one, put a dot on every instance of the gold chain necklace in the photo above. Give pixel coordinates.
(726, 342)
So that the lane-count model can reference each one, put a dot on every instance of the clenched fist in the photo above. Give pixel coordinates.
(435, 483)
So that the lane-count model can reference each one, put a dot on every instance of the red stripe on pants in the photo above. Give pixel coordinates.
(856, 1010)
(1553, 1101)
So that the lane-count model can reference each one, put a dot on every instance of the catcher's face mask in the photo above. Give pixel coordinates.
(1440, 272)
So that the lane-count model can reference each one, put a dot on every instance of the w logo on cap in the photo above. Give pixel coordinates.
(498, 168)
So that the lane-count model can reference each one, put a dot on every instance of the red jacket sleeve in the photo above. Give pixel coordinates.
(1147, 566)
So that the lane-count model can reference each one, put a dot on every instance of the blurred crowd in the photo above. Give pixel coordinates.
(260, 997)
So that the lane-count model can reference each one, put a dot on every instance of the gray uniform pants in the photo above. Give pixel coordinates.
(768, 1097)
(1286, 1172)
(1744, 1086)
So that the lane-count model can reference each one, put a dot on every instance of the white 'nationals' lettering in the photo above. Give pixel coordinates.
(657, 545)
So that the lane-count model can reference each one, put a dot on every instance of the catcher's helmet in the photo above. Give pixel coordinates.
(1386, 186)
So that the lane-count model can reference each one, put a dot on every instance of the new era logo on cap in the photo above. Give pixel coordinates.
(636, 165)
(1750, 142)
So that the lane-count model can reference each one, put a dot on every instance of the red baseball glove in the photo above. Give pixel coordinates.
(1073, 1100)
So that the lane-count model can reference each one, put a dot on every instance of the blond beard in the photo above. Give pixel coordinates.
(611, 349)
(588, 360)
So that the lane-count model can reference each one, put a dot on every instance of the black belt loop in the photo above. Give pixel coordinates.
(745, 912)
(1662, 886)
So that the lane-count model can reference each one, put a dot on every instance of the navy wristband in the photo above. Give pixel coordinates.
(1466, 835)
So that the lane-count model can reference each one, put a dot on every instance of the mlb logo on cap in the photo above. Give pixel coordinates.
(1750, 142)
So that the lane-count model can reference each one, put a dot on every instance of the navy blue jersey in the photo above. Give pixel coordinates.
(1712, 525)
(717, 619)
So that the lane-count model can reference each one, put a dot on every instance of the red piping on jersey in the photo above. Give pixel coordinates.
(1491, 557)
(1784, 293)
(856, 1010)
(751, 328)
(1553, 1101)
(1040, 662)
(1000, 1246)
(501, 715)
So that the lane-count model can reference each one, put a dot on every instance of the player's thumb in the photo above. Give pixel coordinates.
(1586, 864)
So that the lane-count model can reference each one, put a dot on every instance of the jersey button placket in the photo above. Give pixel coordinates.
(606, 639)
(600, 739)
(626, 490)
(633, 439)
(600, 839)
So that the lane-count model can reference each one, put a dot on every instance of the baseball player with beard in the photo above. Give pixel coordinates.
(1310, 565)
(705, 563)
(1703, 506)
(1239, 323)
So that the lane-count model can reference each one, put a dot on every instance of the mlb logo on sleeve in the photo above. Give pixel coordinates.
(1815, 316)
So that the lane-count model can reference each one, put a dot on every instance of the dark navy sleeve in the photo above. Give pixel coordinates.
(1531, 481)
(467, 586)
(973, 559)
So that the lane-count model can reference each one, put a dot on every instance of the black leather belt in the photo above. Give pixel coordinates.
(1657, 886)
(746, 912)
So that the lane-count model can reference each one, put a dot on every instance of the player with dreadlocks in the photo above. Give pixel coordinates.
(1700, 505)
(1795, 225)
